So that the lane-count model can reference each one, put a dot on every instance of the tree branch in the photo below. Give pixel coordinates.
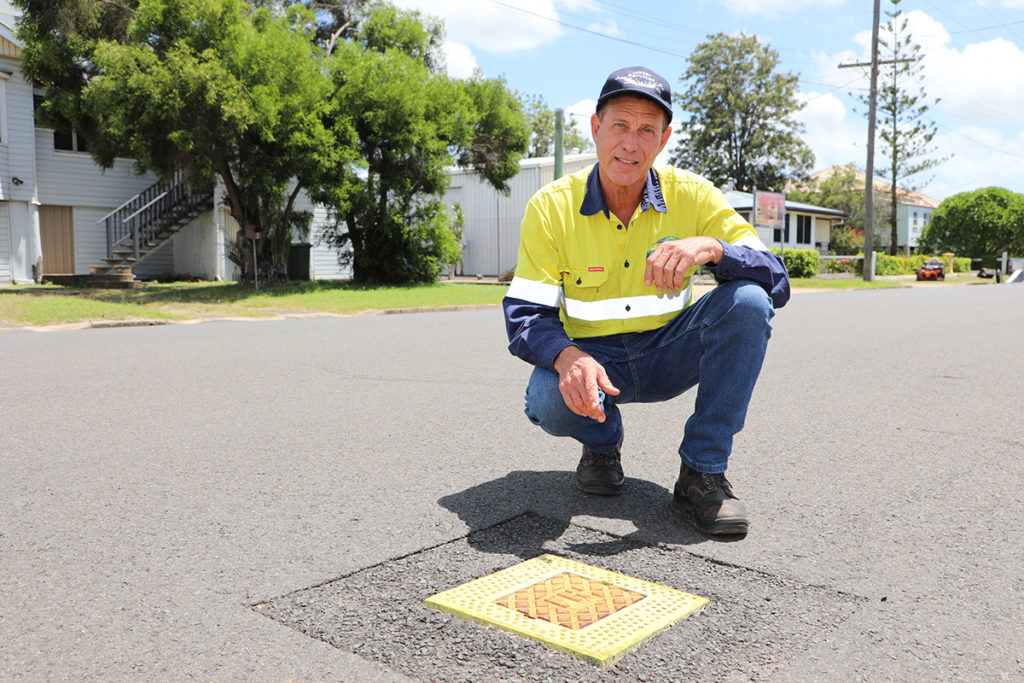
(334, 38)
(112, 3)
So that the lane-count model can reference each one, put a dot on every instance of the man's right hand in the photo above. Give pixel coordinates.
(579, 378)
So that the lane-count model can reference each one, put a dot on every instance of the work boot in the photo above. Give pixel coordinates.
(715, 508)
(599, 473)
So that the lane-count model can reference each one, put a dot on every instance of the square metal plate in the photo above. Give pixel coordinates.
(591, 613)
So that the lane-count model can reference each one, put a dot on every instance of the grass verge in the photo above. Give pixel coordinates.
(52, 305)
(49, 305)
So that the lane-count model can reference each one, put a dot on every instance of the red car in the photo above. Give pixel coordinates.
(932, 269)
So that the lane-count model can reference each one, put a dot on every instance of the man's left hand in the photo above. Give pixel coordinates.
(670, 264)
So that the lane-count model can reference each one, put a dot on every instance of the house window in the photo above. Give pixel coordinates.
(803, 229)
(777, 233)
(65, 138)
(70, 140)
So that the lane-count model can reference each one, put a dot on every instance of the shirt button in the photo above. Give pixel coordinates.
(627, 307)
(619, 227)
(627, 264)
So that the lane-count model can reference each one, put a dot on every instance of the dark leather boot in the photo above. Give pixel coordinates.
(715, 508)
(600, 474)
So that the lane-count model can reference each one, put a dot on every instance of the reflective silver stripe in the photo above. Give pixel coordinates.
(535, 292)
(628, 307)
(752, 241)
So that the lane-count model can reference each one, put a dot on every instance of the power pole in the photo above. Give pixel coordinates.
(869, 171)
(559, 142)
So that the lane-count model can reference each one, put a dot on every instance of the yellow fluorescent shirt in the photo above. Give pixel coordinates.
(592, 266)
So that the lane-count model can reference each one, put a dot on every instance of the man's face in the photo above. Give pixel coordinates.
(629, 136)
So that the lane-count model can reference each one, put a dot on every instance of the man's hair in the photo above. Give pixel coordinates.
(666, 117)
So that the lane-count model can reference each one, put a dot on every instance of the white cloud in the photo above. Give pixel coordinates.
(500, 28)
(834, 134)
(580, 112)
(773, 8)
(608, 28)
(460, 60)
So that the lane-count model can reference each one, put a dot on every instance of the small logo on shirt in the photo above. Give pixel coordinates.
(663, 239)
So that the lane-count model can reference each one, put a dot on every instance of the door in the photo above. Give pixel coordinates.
(57, 233)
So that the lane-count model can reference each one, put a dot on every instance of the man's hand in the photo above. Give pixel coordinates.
(580, 377)
(669, 265)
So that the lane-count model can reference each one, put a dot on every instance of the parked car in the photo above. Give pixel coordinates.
(932, 269)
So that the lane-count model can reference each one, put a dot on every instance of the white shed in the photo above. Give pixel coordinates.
(492, 219)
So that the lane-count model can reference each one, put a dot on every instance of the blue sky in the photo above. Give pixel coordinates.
(973, 61)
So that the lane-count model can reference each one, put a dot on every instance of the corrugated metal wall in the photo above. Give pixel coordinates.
(492, 219)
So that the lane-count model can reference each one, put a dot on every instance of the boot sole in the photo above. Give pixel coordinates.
(735, 526)
(599, 490)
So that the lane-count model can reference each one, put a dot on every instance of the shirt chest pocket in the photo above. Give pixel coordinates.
(584, 282)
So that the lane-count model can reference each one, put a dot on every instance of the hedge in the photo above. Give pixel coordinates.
(807, 263)
(800, 262)
(908, 265)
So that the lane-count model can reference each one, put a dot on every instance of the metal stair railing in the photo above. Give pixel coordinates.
(146, 216)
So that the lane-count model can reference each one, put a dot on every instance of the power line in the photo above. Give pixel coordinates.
(986, 11)
(587, 30)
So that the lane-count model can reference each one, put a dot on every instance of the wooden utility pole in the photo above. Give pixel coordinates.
(869, 171)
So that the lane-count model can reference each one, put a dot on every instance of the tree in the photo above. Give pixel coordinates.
(275, 97)
(980, 223)
(411, 121)
(741, 125)
(214, 87)
(902, 105)
(542, 126)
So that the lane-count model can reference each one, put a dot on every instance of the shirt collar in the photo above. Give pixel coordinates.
(593, 200)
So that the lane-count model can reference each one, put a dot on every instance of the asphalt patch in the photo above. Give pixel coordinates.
(754, 625)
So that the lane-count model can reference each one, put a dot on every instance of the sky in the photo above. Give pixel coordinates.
(973, 63)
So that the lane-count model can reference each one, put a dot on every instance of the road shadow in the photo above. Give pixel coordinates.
(556, 505)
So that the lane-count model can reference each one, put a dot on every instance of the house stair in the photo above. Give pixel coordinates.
(140, 226)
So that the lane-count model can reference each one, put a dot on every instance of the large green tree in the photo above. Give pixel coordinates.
(984, 222)
(344, 99)
(412, 121)
(541, 119)
(741, 124)
(214, 87)
(902, 107)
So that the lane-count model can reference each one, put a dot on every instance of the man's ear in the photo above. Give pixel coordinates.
(595, 123)
(664, 138)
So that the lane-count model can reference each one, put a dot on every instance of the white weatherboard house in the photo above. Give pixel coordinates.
(807, 226)
(61, 214)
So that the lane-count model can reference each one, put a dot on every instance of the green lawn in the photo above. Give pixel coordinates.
(49, 305)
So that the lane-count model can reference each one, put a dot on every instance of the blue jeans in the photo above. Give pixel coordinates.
(718, 343)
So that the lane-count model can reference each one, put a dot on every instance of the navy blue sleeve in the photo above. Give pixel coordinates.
(762, 267)
(535, 332)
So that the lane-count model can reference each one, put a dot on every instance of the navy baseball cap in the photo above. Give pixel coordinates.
(638, 80)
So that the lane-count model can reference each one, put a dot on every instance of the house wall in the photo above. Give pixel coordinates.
(5, 244)
(492, 220)
(20, 248)
(323, 257)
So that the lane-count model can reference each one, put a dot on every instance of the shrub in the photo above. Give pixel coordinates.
(800, 262)
(846, 265)
(846, 241)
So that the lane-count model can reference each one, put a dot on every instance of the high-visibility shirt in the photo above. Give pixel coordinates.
(579, 259)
